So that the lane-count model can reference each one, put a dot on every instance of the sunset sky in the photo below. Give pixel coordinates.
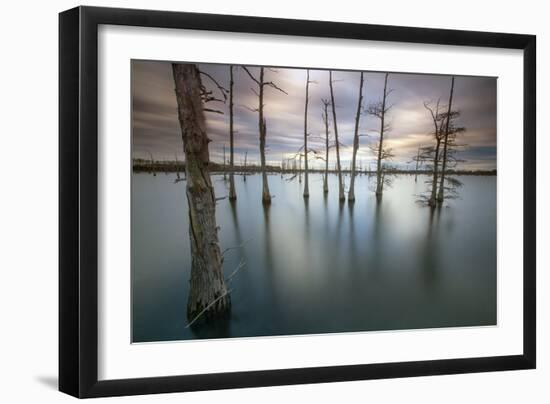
(156, 127)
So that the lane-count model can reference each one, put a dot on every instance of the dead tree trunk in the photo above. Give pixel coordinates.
(208, 295)
(379, 179)
(436, 118)
(266, 195)
(244, 172)
(441, 194)
(341, 195)
(232, 193)
(306, 177)
(300, 169)
(223, 166)
(417, 162)
(351, 193)
(153, 169)
(325, 119)
(433, 194)
(178, 178)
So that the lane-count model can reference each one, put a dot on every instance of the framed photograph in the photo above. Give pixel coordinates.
(251, 201)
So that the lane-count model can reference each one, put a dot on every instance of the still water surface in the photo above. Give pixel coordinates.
(318, 266)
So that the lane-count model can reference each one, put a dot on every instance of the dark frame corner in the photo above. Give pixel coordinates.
(78, 289)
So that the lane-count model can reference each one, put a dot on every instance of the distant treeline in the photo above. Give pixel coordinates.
(142, 165)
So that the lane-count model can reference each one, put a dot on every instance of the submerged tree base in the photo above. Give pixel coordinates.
(220, 327)
(201, 311)
(232, 192)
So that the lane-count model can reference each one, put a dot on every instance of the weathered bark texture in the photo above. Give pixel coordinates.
(351, 193)
(379, 175)
(306, 176)
(207, 283)
(441, 195)
(341, 194)
(232, 193)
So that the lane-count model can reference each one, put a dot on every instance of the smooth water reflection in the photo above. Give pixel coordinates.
(319, 266)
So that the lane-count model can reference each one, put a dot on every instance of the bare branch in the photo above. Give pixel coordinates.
(250, 75)
(241, 265)
(222, 89)
(236, 247)
(273, 85)
(248, 108)
(215, 111)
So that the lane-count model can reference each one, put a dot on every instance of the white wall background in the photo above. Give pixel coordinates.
(28, 201)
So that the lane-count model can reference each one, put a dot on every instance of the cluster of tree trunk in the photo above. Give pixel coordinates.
(441, 153)
(209, 295)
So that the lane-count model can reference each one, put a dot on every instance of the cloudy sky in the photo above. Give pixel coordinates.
(156, 127)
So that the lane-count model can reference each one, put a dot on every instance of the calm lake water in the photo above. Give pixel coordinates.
(319, 266)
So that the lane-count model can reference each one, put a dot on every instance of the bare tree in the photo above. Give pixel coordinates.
(306, 176)
(351, 193)
(232, 193)
(449, 185)
(379, 110)
(440, 195)
(341, 195)
(445, 135)
(434, 151)
(327, 133)
(208, 295)
(261, 83)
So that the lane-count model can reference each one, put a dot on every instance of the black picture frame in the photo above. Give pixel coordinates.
(78, 201)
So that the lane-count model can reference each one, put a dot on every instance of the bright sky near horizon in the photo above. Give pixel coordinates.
(156, 127)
